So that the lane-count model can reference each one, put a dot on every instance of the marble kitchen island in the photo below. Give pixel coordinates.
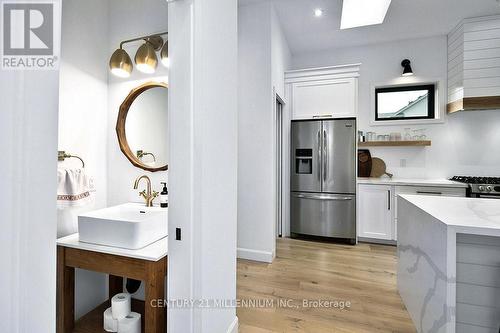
(449, 263)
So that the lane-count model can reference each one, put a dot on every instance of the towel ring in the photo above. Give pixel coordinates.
(61, 156)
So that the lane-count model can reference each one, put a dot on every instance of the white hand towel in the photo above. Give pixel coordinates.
(75, 195)
(75, 188)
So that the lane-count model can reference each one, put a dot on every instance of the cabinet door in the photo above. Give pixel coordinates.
(335, 98)
(375, 218)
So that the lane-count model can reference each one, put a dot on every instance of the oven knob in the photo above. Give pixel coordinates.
(489, 188)
(481, 188)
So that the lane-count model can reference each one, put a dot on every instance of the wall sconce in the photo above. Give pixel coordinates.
(407, 71)
(145, 58)
(165, 60)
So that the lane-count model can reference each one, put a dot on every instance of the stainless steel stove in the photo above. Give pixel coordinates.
(480, 187)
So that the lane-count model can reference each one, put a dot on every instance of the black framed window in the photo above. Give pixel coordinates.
(405, 102)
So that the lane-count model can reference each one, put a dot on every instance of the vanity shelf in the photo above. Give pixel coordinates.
(415, 143)
(92, 321)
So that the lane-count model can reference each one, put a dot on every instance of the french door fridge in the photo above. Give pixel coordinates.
(323, 178)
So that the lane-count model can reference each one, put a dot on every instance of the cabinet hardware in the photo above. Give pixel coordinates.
(325, 156)
(388, 199)
(322, 197)
(429, 192)
(319, 156)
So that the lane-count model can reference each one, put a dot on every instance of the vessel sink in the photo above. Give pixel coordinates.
(130, 226)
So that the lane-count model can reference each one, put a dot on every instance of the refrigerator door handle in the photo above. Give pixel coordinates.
(322, 197)
(319, 155)
(325, 156)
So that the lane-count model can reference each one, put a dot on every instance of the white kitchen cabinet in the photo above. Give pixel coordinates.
(323, 92)
(377, 207)
(333, 98)
(375, 214)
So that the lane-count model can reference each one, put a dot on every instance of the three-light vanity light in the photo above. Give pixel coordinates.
(145, 58)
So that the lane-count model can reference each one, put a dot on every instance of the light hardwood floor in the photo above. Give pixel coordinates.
(364, 275)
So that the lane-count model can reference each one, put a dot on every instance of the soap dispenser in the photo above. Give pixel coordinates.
(164, 196)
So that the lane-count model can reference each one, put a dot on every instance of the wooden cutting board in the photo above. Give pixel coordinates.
(379, 168)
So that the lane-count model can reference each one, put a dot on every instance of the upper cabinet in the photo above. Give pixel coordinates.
(323, 92)
(474, 65)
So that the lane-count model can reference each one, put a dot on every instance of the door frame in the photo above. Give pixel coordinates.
(279, 163)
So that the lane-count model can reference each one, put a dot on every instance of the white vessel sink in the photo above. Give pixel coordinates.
(130, 226)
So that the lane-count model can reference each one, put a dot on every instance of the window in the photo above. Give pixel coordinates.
(405, 102)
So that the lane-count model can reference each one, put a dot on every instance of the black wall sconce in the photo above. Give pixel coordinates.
(407, 71)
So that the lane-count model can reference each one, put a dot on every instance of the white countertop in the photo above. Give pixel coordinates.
(467, 215)
(152, 252)
(410, 181)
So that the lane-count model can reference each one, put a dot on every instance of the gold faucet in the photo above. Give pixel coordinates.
(147, 194)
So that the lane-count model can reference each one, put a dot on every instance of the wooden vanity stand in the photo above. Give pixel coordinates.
(148, 265)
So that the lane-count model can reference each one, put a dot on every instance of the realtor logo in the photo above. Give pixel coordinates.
(28, 38)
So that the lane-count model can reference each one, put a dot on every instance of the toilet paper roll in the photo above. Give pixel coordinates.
(130, 324)
(110, 323)
(120, 305)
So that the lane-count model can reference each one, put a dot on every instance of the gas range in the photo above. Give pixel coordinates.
(480, 187)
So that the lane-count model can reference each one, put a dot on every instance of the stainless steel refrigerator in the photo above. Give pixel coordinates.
(323, 178)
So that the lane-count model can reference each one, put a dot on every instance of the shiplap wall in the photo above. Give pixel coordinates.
(474, 58)
(478, 284)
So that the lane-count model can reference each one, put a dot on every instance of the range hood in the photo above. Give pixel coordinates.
(474, 65)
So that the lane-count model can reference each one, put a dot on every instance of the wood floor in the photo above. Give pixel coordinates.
(364, 275)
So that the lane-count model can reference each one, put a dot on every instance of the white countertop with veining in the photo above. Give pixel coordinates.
(410, 181)
(466, 215)
(152, 252)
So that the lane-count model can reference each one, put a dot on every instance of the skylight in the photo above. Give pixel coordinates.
(358, 13)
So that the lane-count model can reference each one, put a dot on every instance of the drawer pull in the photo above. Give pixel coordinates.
(388, 199)
(429, 192)
(322, 197)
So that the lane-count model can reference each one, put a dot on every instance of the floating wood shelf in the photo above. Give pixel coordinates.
(421, 143)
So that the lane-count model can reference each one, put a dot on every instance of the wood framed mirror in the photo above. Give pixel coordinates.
(142, 126)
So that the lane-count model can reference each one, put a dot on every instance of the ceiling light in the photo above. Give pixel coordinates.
(145, 58)
(407, 71)
(120, 63)
(164, 55)
(318, 12)
(358, 13)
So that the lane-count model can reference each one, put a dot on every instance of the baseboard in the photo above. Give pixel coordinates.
(255, 255)
(233, 328)
(377, 241)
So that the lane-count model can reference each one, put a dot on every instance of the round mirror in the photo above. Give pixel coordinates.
(142, 126)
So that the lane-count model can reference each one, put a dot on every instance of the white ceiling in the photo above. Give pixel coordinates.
(405, 19)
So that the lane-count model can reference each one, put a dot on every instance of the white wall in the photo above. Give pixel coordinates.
(28, 144)
(255, 134)
(281, 56)
(180, 261)
(281, 59)
(203, 181)
(83, 115)
(263, 56)
(466, 143)
(142, 18)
